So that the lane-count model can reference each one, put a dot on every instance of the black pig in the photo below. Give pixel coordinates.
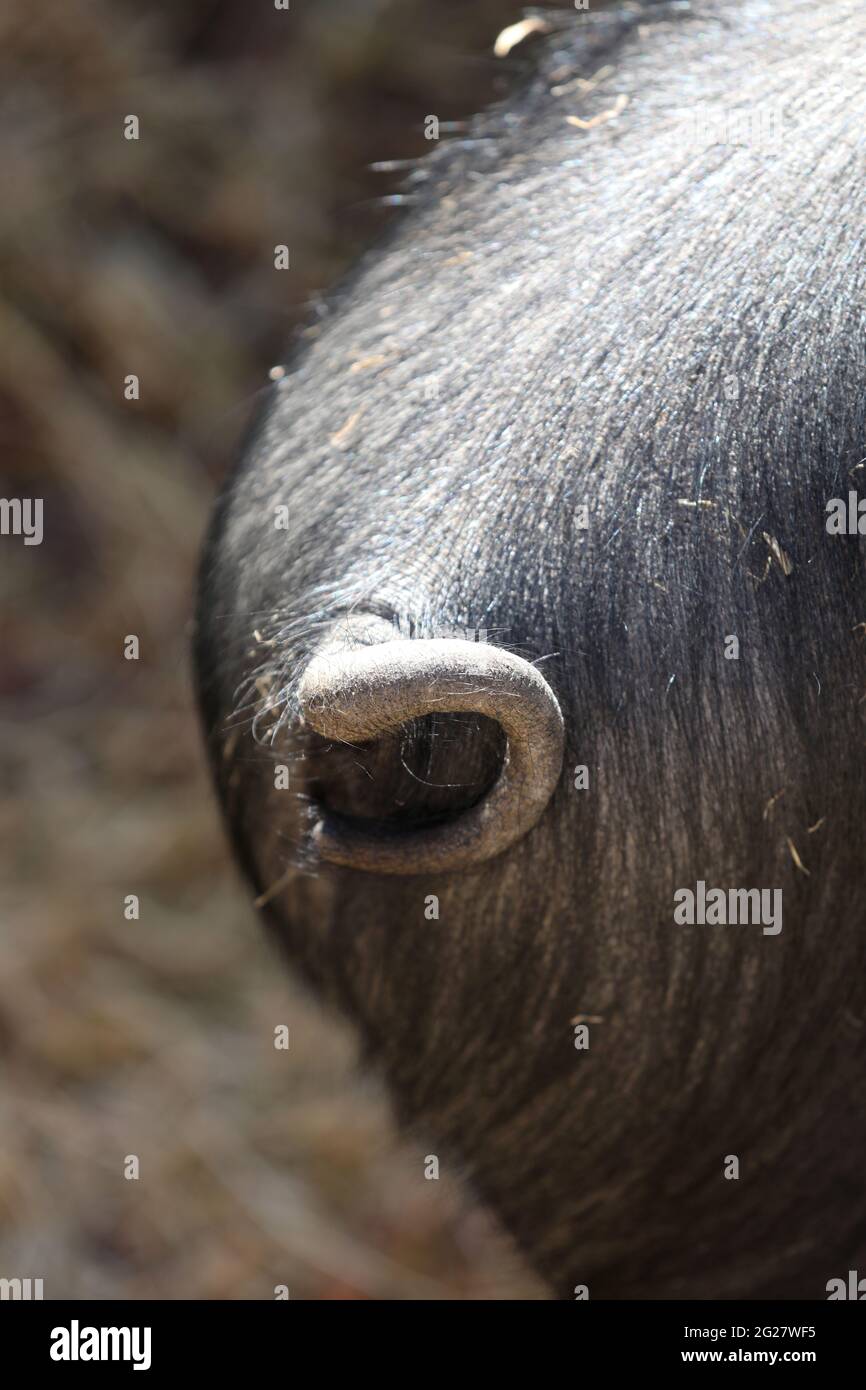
(557, 463)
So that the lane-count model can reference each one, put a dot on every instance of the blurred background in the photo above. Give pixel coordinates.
(155, 257)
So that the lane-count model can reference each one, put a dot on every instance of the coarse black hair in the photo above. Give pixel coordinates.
(593, 396)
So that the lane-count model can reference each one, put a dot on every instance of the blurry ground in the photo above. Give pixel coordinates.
(155, 1037)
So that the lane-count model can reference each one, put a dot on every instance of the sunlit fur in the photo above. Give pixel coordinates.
(672, 336)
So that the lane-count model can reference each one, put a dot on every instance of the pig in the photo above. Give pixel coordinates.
(520, 626)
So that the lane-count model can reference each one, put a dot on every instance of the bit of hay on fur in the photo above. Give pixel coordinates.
(515, 33)
(609, 114)
(796, 858)
(779, 555)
